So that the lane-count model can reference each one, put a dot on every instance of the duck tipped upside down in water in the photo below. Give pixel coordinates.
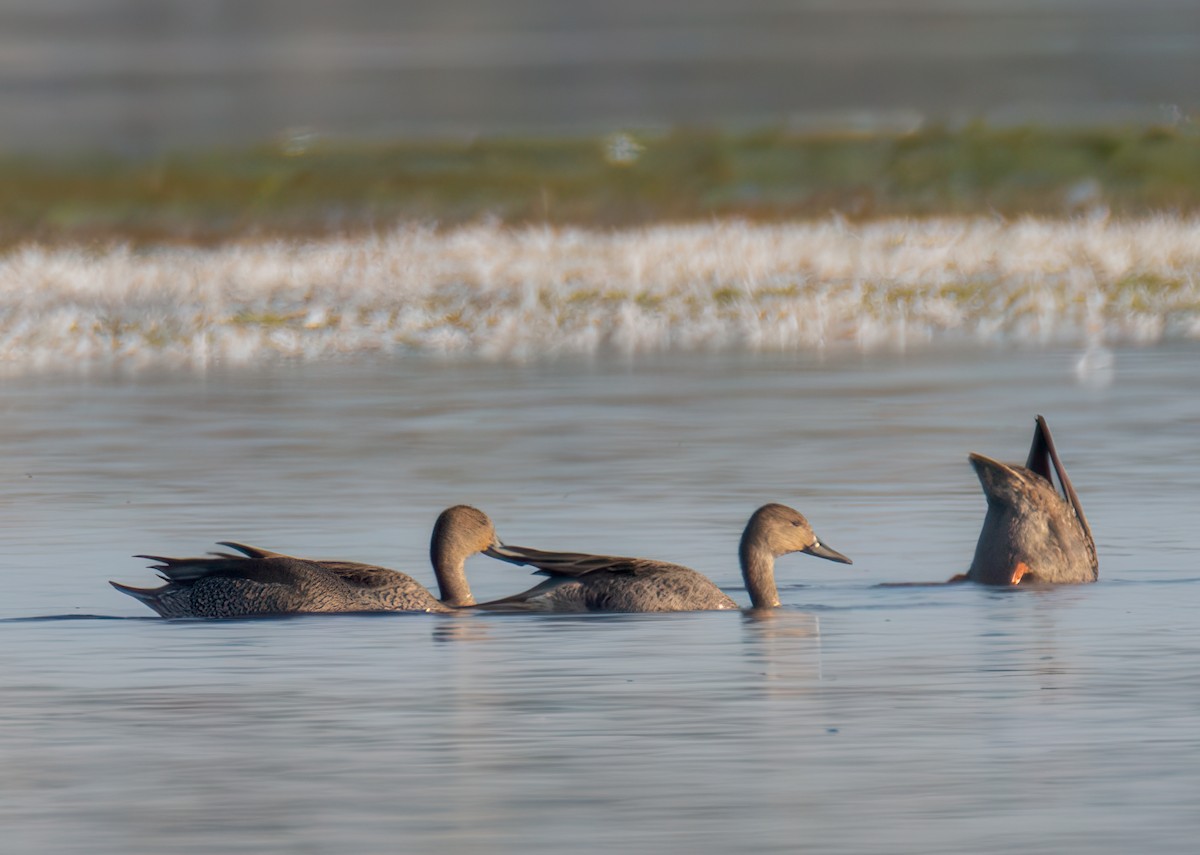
(1031, 533)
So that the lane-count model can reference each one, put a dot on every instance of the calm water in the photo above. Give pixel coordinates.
(146, 77)
(857, 718)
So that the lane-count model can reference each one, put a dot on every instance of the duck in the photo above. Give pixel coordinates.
(608, 583)
(260, 582)
(1031, 534)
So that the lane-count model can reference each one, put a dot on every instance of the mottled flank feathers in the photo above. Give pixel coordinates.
(225, 587)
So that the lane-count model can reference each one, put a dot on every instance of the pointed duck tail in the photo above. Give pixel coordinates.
(563, 565)
(168, 601)
(1042, 457)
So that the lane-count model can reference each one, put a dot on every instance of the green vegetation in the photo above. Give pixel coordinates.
(626, 180)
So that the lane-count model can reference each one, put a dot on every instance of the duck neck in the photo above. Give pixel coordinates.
(450, 569)
(758, 571)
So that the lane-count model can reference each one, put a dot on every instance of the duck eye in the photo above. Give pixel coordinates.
(796, 523)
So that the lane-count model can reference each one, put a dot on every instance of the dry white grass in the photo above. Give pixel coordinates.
(506, 293)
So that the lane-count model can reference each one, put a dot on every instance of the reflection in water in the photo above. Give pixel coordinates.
(1032, 646)
(786, 645)
(459, 627)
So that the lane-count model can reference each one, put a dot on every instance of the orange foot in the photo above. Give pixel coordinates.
(1019, 572)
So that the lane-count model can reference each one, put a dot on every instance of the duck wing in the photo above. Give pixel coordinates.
(352, 573)
(273, 569)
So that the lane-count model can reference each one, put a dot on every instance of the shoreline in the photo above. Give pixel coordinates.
(311, 188)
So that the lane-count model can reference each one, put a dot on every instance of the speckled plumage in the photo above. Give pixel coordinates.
(261, 582)
(585, 582)
(1030, 532)
(226, 586)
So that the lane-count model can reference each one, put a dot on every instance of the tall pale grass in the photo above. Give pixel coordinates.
(500, 293)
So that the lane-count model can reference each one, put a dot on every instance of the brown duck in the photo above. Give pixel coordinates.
(260, 582)
(608, 583)
(1031, 533)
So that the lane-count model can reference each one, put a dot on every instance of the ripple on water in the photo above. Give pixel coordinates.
(857, 718)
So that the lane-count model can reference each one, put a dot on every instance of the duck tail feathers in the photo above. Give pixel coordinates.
(522, 601)
(569, 565)
(247, 550)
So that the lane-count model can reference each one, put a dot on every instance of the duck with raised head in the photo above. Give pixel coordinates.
(260, 582)
(608, 583)
(1031, 533)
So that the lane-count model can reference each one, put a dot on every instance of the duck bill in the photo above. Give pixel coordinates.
(1043, 457)
(822, 551)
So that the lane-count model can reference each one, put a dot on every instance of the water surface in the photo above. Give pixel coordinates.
(856, 718)
(146, 79)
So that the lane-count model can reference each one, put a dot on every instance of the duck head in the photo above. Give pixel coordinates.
(779, 530)
(776, 530)
(459, 533)
(1032, 533)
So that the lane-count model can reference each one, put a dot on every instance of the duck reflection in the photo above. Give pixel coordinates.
(785, 647)
(462, 626)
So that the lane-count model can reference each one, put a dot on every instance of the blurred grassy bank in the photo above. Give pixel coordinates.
(303, 186)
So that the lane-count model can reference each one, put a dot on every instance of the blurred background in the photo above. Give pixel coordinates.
(145, 76)
(150, 122)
